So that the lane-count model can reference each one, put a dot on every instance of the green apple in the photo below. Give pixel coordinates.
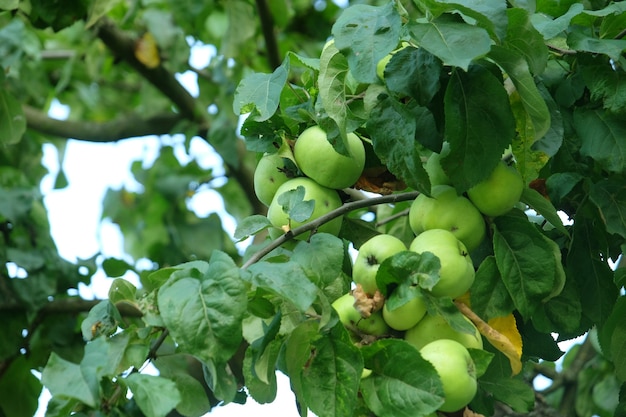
(351, 318)
(325, 200)
(456, 370)
(271, 172)
(317, 159)
(450, 211)
(406, 316)
(499, 192)
(433, 167)
(432, 328)
(457, 271)
(371, 254)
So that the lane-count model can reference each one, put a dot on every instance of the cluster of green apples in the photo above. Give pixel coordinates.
(449, 226)
(313, 164)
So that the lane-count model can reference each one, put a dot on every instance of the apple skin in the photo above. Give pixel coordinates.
(325, 200)
(270, 173)
(450, 211)
(432, 328)
(457, 270)
(350, 317)
(406, 316)
(497, 194)
(317, 159)
(371, 254)
(456, 370)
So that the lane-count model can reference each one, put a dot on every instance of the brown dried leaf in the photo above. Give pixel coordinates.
(366, 304)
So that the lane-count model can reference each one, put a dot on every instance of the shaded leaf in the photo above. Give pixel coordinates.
(454, 43)
(402, 384)
(609, 195)
(155, 396)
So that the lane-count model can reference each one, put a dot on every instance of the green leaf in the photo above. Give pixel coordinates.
(286, 279)
(332, 86)
(454, 43)
(12, 119)
(479, 126)
(497, 383)
(221, 380)
(321, 258)
(293, 203)
(203, 309)
(65, 379)
(114, 267)
(517, 69)
(330, 378)
(98, 9)
(406, 272)
(614, 335)
(402, 384)
(602, 137)
(251, 226)
(259, 94)
(489, 295)
(261, 386)
(491, 15)
(20, 389)
(525, 40)
(525, 260)
(609, 195)
(365, 34)
(393, 128)
(581, 42)
(587, 265)
(481, 359)
(122, 290)
(9, 4)
(103, 319)
(606, 83)
(155, 396)
(414, 71)
(607, 330)
(543, 207)
(550, 28)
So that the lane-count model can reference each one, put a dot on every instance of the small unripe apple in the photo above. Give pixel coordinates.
(318, 160)
(325, 200)
(432, 328)
(450, 211)
(498, 194)
(271, 172)
(406, 316)
(457, 273)
(351, 318)
(456, 370)
(371, 254)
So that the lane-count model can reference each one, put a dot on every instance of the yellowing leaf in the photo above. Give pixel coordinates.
(147, 52)
(507, 339)
(501, 332)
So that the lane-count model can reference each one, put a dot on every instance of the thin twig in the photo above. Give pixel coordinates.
(313, 225)
(267, 26)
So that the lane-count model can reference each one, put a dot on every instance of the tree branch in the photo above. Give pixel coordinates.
(69, 306)
(313, 225)
(267, 26)
(123, 47)
(111, 131)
